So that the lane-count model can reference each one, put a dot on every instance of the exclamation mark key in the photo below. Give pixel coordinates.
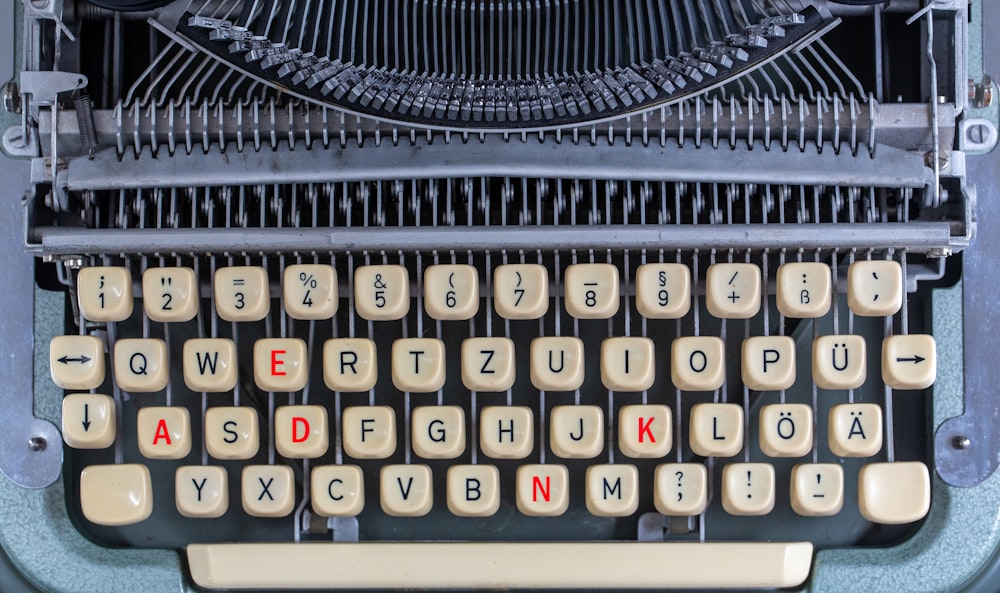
(748, 488)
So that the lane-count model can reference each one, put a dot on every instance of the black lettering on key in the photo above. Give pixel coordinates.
(265, 489)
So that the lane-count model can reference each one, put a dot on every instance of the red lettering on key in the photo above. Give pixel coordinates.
(644, 429)
(298, 421)
(161, 432)
(536, 487)
(276, 362)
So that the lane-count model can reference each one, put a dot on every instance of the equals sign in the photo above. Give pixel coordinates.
(238, 281)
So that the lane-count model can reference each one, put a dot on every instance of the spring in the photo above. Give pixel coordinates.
(85, 120)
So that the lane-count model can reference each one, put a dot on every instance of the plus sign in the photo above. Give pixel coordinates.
(733, 297)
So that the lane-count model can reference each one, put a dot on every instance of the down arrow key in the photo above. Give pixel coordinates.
(88, 420)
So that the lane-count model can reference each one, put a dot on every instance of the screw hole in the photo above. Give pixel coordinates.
(37, 444)
(961, 442)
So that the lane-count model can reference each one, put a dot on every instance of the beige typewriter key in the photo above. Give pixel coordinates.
(521, 291)
(473, 490)
(894, 493)
(381, 293)
(88, 420)
(680, 489)
(768, 362)
(116, 495)
(591, 291)
(875, 288)
(732, 291)
(663, 291)
(337, 490)
(349, 364)
(242, 293)
(556, 363)
(612, 490)
(170, 294)
(451, 291)
(576, 432)
(369, 432)
(542, 490)
(201, 491)
(280, 364)
(855, 430)
(909, 361)
(163, 432)
(786, 430)
(406, 490)
(301, 432)
(268, 490)
(627, 364)
(716, 429)
(141, 365)
(210, 364)
(310, 291)
(488, 364)
(839, 362)
(232, 432)
(698, 363)
(506, 432)
(817, 489)
(804, 289)
(105, 293)
(438, 431)
(748, 488)
(418, 364)
(644, 431)
(77, 362)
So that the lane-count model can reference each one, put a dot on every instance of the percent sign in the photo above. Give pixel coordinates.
(307, 280)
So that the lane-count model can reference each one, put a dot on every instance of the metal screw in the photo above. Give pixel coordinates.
(961, 442)
(944, 159)
(981, 94)
(11, 98)
(37, 444)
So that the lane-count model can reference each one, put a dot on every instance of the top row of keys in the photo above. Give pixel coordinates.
(520, 291)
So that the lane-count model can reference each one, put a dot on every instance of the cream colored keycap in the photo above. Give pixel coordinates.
(748, 488)
(369, 432)
(909, 361)
(232, 432)
(768, 362)
(817, 489)
(381, 293)
(786, 430)
(310, 291)
(716, 429)
(556, 363)
(894, 493)
(521, 291)
(680, 489)
(418, 364)
(839, 362)
(337, 490)
(301, 432)
(280, 364)
(644, 431)
(201, 491)
(732, 291)
(542, 490)
(104, 293)
(663, 291)
(506, 432)
(170, 294)
(451, 291)
(242, 293)
(488, 364)
(612, 490)
(141, 365)
(627, 364)
(406, 490)
(88, 420)
(268, 490)
(804, 289)
(855, 430)
(163, 432)
(591, 291)
(210, 364)
(576, 432)
(116, 495)
(438, 431)
(698, 363)
(473, 490)
(350, 364)
(77, 362)
(875, 288)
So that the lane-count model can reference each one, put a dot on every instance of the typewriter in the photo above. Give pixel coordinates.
(523, 294)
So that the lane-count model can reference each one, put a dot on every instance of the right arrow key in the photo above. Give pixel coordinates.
(909, 361)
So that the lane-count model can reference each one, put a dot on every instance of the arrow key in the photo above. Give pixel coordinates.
(77, 362)
(909, 361)
(88, 420)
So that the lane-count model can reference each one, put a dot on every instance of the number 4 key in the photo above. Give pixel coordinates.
(310, 291)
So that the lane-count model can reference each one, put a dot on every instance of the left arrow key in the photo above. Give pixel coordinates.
(77, 362)
(88, 420)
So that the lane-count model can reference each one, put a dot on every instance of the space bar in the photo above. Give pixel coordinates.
(499, 565)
